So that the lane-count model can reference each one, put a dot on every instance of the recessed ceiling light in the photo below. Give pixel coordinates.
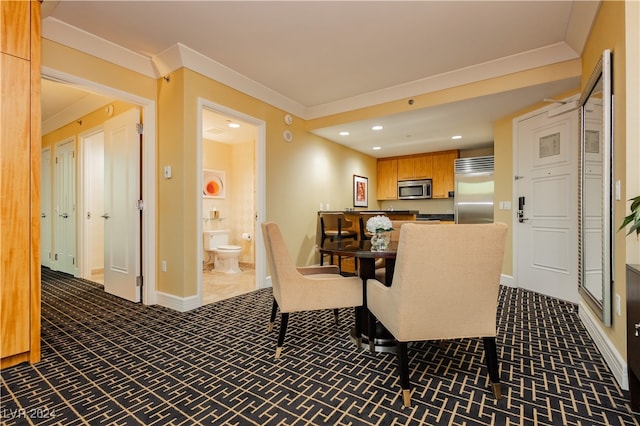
(456, 137)
(377, 148)
(376, 128)
(344, 133)
(234, 125)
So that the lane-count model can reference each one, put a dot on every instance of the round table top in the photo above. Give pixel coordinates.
(360, 249)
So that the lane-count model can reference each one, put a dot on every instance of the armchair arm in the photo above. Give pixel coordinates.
(313, 270)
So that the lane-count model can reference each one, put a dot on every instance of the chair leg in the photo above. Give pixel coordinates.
(372, 332)
(491, 357)
(284, 320)
(274, 309)
(403, 369)
(336, 317)
(358, 323)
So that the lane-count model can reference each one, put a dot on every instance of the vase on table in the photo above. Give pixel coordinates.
(380, 241)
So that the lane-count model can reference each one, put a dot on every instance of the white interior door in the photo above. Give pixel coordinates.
(122, 219)
(92, 204)
(65, 206)
(546, 179)
(45, 207)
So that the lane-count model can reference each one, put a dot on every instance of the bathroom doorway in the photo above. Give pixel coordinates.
(230, 159)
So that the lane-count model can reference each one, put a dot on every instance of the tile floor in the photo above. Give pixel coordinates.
(217, 286)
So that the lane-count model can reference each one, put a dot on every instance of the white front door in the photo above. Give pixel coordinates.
(45, 207)
(122, 219)
(65, 208)
(546, 183)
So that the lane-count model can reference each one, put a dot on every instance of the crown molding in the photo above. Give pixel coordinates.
(524, 61)
(179, 56)
(68, 35)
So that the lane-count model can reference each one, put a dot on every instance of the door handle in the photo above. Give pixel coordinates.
(106, 216)
(521, 217)
(64, 215)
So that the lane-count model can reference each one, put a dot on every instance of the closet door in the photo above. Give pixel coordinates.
(19, 182)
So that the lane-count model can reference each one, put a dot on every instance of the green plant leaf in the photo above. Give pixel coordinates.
(633, 218)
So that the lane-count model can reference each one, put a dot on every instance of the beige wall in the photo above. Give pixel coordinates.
(61, 58)
(609, 33)
(84, 124)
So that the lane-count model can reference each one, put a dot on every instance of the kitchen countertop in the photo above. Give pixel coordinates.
(435, 216)
(416, 212)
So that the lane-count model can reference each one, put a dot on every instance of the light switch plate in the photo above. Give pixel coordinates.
(167, 172)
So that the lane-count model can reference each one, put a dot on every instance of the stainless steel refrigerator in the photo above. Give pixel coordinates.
(473, 196)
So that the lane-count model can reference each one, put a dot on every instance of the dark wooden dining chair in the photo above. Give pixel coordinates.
(445, 286)
(335, 227)
(363, 218)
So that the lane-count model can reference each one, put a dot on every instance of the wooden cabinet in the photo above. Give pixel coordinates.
(20, 181)
(387, 179)
(443, 176)
(415, 167)
(633, 335)
(437, 166)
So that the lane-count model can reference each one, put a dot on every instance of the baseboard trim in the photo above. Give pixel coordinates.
(612, 358)
(266, 283)
(180, 304)
(507, 280)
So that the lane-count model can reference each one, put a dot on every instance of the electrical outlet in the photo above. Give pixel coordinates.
(618, 307)
(164, 266)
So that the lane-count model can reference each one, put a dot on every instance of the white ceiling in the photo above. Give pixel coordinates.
(317, 58)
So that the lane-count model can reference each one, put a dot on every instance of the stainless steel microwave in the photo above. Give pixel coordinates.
(414, 189)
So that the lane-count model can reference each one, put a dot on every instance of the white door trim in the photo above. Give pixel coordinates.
(149, 295)
(261, 188)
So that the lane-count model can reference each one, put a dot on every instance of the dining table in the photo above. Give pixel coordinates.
(366, 261)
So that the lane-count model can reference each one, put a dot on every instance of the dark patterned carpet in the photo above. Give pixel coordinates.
(107, 361)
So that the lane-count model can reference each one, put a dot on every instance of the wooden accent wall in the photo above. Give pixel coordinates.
(20, 118)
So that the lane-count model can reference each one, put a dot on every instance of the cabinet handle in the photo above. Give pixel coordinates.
(637, 325)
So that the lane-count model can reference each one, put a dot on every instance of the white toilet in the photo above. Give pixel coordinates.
(226, 256)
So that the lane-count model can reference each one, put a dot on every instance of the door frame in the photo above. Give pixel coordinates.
(549, 109)
(148, 176)
(261, 188)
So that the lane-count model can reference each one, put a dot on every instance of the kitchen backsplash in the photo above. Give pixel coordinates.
(433, 206)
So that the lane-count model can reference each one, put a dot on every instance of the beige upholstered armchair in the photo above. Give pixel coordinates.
(395, 236)
(445, 286)
(305, 289)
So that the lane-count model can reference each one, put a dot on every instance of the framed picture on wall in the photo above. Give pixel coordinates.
(360, 191)
(213, 184)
